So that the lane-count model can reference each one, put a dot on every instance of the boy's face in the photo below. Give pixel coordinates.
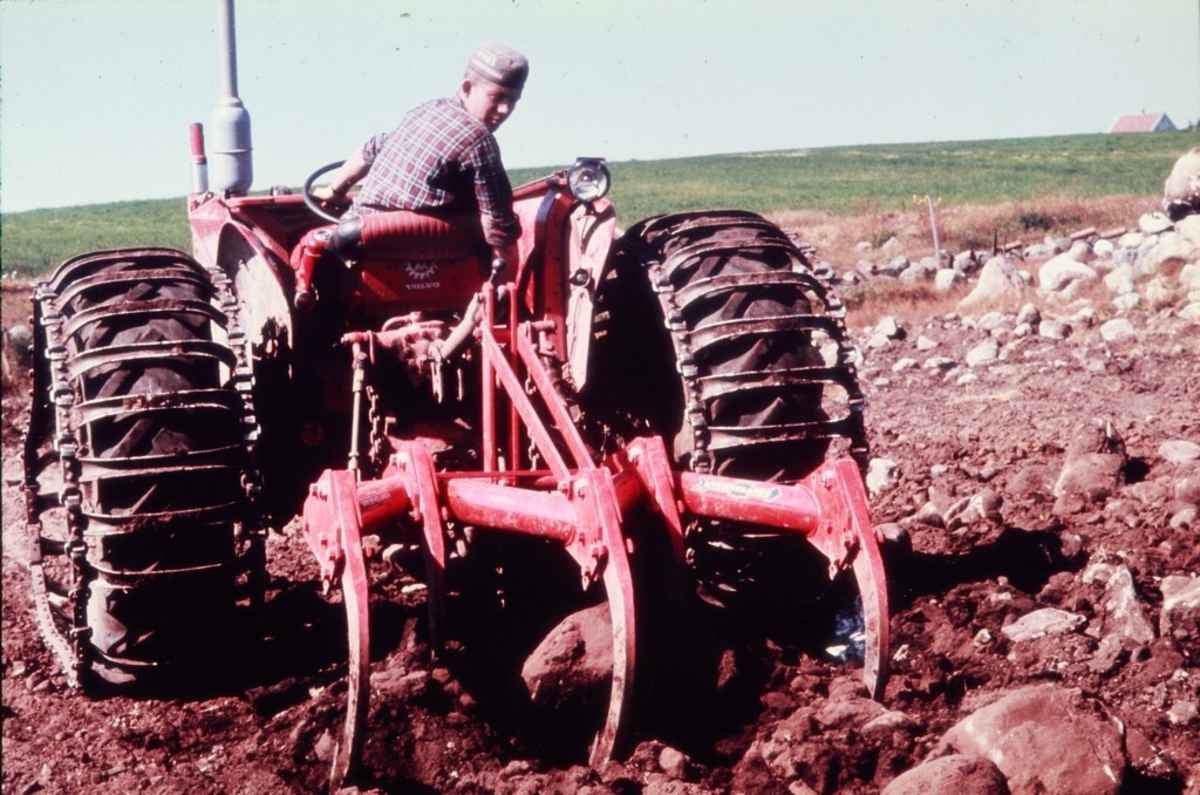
(488, 102)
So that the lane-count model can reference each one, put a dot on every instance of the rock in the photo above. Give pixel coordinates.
(947, 279)
(1123, 613)
(1054, 330)
(925, 344)
(1126, 303)
(1062, 271)
(1119, 281)
(891, 246)
(1179, 451)
(1087, 480)
(851, 712)
(999, 285)
(1110, 654)
(956, 774)
(1103, 248)
(1044, 739)
(889, 327)
(1183, 713)
(1131, 240)
(1184, 518)
(890, 721)
(1180, 615)
(674, 763)
(1189, 228)
(1093, 469)
(1029, 313)
(1187, 488)
(893, 267)
(943, 363)
(1181, 191)
(966, 262)
(990, 321)
(1042, 623)
(574, 660)
(1117, 330)
(978, 507)
(1189, 275)
(1175, 247)
(983, 354)
(882, 474)
(397, 682)
(1033, 483)
(1154, 223)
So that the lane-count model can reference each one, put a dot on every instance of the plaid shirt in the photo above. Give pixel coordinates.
(440, 157)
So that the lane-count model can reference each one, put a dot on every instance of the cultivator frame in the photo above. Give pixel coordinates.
(577, 502)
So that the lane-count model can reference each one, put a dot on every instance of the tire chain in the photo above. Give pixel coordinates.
(833, 323)
(52, 394)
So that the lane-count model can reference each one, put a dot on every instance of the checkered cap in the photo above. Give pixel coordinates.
(501, 65)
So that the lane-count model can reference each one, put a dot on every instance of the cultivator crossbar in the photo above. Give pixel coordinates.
(664, 409)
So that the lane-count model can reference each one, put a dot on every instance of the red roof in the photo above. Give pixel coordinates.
(1145, 122)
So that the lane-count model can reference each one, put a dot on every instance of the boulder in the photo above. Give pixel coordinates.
(1180, 616)
(957, 774)
(1124, 615)
(1119, 329)
(1042, 623)
(1154, 223)
(1057, 273)
(1044, 738)
(1179, 451)
(999, 285)
(983, 354)
(573, 662)
(947, 279)
(1092, 470)
(1181, 191)
(1189, 228)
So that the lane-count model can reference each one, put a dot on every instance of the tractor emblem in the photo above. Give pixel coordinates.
(421, 270)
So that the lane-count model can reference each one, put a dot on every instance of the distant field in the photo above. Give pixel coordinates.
(844, 181)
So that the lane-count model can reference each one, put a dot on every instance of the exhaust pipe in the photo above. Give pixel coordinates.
(232, 170)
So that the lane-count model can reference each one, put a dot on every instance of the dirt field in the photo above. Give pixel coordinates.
(977, 452)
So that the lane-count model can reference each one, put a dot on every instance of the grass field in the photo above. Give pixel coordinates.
(837, 181)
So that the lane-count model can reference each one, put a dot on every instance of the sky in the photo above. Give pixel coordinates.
(96, 95)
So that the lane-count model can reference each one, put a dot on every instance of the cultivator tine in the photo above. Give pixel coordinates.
(872, 586)
(333, 525)
(830, 509)
(599, 508)
(845, 532)
(422, 484)
(355, 594)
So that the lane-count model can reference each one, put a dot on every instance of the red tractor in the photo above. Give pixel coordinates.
(662, 408)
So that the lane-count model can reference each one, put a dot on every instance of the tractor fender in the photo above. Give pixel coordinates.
(591, 231)
(262, 283)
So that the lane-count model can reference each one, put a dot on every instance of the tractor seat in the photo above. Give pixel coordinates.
(407, 235)
(403, 262)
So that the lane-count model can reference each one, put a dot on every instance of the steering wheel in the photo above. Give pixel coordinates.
(313, 202)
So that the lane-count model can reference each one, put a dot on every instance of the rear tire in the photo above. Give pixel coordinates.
(152, 437)
(714, 333)
(716, 336)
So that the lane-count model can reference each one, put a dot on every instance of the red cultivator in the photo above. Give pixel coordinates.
(578, 501)
(685, 386)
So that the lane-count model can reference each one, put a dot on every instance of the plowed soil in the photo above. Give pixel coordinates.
(447, 726)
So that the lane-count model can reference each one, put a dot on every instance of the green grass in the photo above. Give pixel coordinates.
(844, 181)
(34, 243)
